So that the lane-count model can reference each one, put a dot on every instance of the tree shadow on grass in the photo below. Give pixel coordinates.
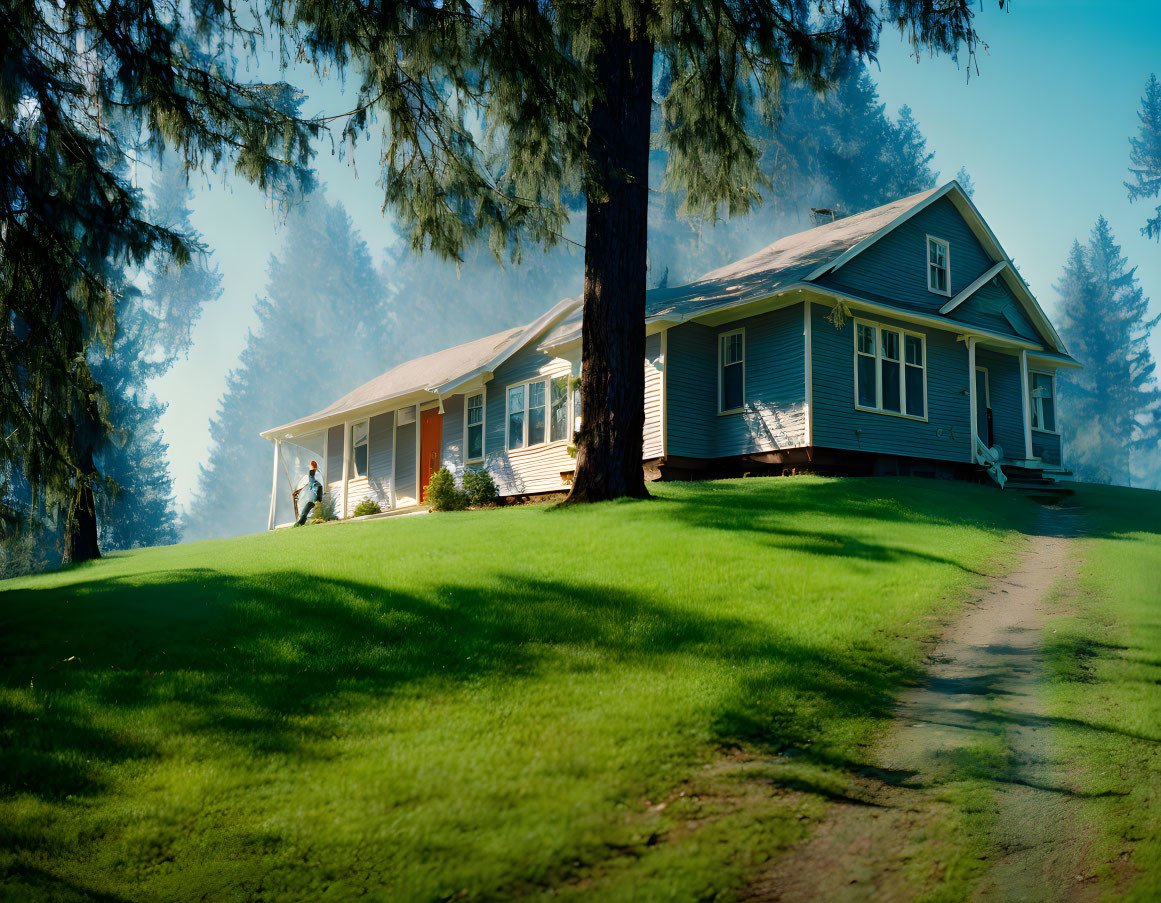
(263, 662)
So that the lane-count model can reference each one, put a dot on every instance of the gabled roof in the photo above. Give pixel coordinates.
(794, 261)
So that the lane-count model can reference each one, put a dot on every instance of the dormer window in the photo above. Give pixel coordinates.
(938, 266)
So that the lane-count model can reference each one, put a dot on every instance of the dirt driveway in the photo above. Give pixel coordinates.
(974, 736)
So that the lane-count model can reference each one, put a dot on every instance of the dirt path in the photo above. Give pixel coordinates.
(974, 736)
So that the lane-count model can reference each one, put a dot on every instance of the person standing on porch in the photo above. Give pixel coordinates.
(311, 490)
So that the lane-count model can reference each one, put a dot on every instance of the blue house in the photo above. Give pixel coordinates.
(899, 340)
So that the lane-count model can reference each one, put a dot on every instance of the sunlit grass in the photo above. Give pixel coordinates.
(1106, 657)
(492, 703)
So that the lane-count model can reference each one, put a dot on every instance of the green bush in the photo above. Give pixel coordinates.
(367, 506)
(480, 487)
(442, 493)
(324, 510)
(22, 555)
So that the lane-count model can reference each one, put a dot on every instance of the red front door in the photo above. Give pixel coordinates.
(430, 441)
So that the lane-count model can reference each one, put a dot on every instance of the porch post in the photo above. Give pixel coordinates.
(972, 393)
(274, 484)
(1026, 405)
(346, 464)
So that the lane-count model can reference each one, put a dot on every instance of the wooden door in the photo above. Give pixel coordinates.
(984, 407)
(430, 443)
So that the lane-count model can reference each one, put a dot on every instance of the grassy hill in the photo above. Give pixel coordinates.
(478, 704)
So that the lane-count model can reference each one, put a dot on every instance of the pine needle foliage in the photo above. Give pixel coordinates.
(1145, 156)
(85, 91)
(497, 114)
(1111, 410)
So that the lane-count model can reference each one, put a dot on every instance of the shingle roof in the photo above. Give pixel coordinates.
(413, 376)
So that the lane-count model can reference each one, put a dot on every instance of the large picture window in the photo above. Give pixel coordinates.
(1043, 389)
(538, 412)
(731, 370)
(890, 370)
(359, 449)
(474, 427)
(938, 266)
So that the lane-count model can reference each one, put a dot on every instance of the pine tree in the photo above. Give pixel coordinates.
(136, 506)
(87, 88)
(323, 328)
(566, 93)
(1145, 155)
(965, 182)
(1109, 410)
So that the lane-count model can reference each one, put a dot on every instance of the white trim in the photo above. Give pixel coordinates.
(808, 367)
(664, 392)
(274, 485)
(346, 463)
(902, 361)
(989, 274)
(946, 263)
(722, 336)
(483, 393)
(1026, 388)
(418, 454)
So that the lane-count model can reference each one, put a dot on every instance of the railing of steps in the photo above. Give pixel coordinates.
(989, 459)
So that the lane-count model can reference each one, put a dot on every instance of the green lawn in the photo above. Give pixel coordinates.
(479, 704)
(1106, 701)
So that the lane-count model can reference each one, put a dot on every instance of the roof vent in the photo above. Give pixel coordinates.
(822, 215)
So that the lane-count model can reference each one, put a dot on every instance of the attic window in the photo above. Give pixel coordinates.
(938, 266)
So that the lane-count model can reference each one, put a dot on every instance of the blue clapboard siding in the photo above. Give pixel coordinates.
(406, 437)
(382, 453)
(894, 270)
(946, 435)
(994, 307)
(453, 435)
(1046, 447)
(691, 391)
(775, 392)
(1006, 391)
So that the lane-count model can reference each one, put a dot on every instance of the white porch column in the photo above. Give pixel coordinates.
(274, 484)
(971, 343)
(1026, 405)
(346, 464)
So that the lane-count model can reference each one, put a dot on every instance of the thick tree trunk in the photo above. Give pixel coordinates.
(80, 531)
(609, 445)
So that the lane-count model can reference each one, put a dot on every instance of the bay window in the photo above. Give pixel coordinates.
(890, 370)
(538, 412)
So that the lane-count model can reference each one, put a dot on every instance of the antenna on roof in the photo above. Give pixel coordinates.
(818, 215)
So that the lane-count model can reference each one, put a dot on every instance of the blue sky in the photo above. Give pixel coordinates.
(1043, 129)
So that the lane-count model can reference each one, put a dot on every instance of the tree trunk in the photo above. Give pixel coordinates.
(609, 444)
(80, 529)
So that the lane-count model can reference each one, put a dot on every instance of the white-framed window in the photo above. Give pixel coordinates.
(938, 265)
(1042, 388)
(474, 427)
(359, 449)
(538, 412)
(890, 370)
(731, 371)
